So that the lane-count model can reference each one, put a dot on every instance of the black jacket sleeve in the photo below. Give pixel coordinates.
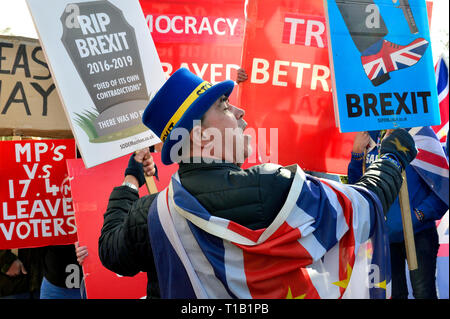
(384, 179)
(124, 244)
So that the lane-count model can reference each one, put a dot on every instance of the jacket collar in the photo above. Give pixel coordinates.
(199, 163)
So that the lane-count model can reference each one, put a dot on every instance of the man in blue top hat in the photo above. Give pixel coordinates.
(189, 237)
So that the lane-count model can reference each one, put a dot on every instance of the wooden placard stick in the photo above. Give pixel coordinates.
(408, 232)
(150, 183)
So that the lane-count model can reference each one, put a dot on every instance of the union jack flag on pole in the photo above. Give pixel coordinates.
(441, 70)
(431, 162)
(327, 241)
(432, 166)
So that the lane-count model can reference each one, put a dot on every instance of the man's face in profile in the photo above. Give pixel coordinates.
(227, 119)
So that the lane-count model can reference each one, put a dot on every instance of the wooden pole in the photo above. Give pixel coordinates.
(405, 209)
(408, 232)
(151, 185)
(364, 161)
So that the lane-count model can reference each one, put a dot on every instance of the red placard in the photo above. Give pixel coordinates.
(204, 36)
(36, 207)
(289, 86)
(91, 189)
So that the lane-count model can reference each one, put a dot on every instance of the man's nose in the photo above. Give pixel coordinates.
(238, 112)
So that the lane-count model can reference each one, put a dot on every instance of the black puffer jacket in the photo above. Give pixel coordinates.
(248, 197)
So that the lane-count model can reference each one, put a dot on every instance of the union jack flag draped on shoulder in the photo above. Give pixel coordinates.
(431, 163)
(327, 241)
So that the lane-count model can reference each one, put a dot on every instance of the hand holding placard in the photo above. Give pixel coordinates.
(401, 144)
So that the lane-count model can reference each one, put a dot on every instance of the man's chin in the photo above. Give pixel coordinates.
(248, 150)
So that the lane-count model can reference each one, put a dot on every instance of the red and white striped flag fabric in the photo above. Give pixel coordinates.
(327, 241)
(441, 70)
(431, 163)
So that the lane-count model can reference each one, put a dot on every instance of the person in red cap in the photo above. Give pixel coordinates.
(220, 231)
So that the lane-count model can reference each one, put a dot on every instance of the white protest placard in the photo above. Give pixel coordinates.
(106, 69)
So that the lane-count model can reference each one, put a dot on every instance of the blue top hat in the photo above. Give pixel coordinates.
(183, 98)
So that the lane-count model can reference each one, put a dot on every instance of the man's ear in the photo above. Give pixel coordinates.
(198, 140)
(196, 134)
(199, 136)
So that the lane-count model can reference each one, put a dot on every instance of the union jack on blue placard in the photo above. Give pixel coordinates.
(327, 241)
(382, 72)
(384, 57)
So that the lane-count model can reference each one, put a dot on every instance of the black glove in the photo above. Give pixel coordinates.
(135, 169)
(401, 144)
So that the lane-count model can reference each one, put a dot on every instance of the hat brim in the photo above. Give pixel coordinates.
(195, 112)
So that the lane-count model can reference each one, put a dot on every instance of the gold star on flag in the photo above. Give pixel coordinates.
(289, 295)
(344, 283)
(381, 284)
(369, 253)
(399, 146)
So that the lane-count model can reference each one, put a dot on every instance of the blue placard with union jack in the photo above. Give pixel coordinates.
(382, 64)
